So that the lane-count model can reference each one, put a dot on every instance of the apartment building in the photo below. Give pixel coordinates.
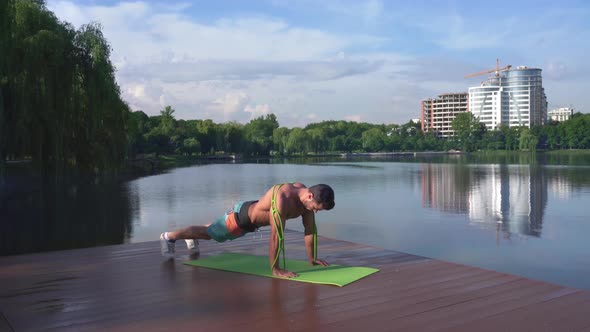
(438, 113)
(560, 114)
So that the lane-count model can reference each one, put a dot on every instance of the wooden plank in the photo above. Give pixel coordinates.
(131, 287)
(531, 317)
(4, 324)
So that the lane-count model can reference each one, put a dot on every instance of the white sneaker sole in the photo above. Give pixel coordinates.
(164, 249)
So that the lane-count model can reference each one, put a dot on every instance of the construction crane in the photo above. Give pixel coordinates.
(497, 70)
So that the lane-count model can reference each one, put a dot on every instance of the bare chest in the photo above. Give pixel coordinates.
(265, 217)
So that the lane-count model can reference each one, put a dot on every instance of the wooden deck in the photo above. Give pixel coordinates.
(132, 288)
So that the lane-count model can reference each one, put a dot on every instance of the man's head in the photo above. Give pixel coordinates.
(323, 196)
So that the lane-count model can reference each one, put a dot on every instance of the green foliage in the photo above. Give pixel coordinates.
(190, 146)
(232, 137)
(61, 107)
(167, 121)
(259, 134)
(527, 141)
(577, 132)
(373, 140)
(280, 137)
(468, 131)
(298, 141)
(60, 104)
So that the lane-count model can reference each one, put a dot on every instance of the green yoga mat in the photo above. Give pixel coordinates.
(337, 275)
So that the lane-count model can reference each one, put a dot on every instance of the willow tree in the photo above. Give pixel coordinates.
(101, 107)
(6, 25)
(61, 106)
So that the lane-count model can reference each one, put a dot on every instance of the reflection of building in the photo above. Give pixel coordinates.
(440, 189)
(514, 98)
(515, 196)
(438, 113)
(560, 186)
(560, 114)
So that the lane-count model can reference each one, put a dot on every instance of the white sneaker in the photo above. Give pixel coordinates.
(192, 245)
(167, 247)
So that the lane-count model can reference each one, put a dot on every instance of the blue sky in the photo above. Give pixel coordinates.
(309, 61)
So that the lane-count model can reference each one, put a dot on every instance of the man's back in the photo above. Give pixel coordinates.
(288, 203)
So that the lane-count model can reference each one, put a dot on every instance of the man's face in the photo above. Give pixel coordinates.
(312, 205)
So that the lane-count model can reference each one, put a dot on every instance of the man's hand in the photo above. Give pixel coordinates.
(319, 262)
(283, 273)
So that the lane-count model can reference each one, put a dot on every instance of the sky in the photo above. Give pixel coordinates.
(311, 61)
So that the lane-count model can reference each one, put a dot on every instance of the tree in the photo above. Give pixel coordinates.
(6, 26)
(298, 141)
(259, 134)
(232, 136)
(206, 135)
(167, 122)
(338, 143)
(157, 142)
(190, 146)
(577, 131)
(493, 140)
(468, 130)
(527, 141)
(60, 105)
(373, 140)
(511, 137)
(280, 136)
(318, 141)
(136, 123)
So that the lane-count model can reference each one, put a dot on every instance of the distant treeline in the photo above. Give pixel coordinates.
(61, 107)
(472, 135)
(263, 136)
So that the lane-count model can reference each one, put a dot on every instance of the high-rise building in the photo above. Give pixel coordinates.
(513, 97)
(560, 114)
(438, 113)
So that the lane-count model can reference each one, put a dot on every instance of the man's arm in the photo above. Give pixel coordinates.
(310, 245)
(277, 230)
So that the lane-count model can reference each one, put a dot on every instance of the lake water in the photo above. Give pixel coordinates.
(524, 219)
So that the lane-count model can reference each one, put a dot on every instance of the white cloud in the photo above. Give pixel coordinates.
(142, 95)
(163, 101)
(257, 111)
(355, 118)
(555, 71)
(230, 69)
(230, 104)
(240, 66)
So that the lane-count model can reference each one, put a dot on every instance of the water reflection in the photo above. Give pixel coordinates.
(40, 216)
(511, 198)
(445, 187)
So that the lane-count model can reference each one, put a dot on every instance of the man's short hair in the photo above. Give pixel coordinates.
(323, 194)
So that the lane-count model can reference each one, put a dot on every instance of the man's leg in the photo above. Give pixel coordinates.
(189, 234)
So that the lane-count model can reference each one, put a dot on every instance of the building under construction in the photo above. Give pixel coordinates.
(511, 97)
(438, 113)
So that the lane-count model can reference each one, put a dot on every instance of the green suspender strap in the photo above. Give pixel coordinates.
(276, 217)
(279, 228)
(315, 242)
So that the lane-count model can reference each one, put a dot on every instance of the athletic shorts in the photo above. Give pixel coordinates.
(226, 227)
